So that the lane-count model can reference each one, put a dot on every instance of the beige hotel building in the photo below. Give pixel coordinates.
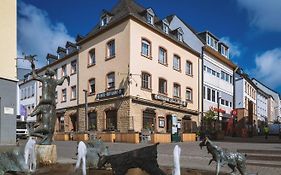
(137, 74)
(131, 72)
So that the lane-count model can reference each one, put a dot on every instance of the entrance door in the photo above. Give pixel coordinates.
(74, 123)
(169, 123)
(111, 120)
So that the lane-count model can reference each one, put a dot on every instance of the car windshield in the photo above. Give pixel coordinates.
(21, 125)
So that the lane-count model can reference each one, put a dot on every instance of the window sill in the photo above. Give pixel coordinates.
(110, 89)
(109, 58)
(72, 99)
(165, 94)
(146, 89)
(73, 73)
(190, 75)
(164, 64)
(146, 56)
(189, 101)
(90, 65)
(176, 97)
(92, 94)
(63, 101)
(178, 70)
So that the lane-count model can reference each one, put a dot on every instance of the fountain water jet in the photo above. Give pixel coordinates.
(177, 152)
(30, 155)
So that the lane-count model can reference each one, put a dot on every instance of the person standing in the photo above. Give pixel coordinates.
(266, 131)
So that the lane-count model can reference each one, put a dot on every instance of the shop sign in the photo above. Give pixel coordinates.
(108, 94)
(8, 110)
(169, 100)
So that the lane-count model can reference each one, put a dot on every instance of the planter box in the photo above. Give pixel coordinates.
(161, 138)
(107, 137)
(188, 137)
(80, 137)
(61, 137)
(127, 137)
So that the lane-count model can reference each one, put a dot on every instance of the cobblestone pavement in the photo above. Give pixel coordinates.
(191, 155)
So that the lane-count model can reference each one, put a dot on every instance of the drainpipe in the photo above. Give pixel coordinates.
(202, 85)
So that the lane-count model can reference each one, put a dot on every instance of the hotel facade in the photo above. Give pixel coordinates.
(137, 74)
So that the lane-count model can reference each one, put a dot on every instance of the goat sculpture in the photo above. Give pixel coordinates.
(222, 156)
(144, 158)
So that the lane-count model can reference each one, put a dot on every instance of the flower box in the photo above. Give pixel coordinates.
(107, 137)
(127, 137)
(80, 137)
(161, 138)
(61, 137)
(188, 137)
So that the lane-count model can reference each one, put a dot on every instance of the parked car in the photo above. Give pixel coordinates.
(274, 129)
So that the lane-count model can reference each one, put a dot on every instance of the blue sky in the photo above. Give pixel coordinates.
(252, 28)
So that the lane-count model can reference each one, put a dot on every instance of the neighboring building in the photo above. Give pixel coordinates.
(275, 108)
(28, 98)
(65, 63)
(246, 103)
(215, 71)
(138, 72)
(8, 81)
(218, 79)
(262, 107)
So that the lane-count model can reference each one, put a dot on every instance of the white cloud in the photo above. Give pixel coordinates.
(268, 67)
(234, 47)
(263, 14)
(37, 34)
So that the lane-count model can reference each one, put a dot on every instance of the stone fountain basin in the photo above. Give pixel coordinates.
(68, 169)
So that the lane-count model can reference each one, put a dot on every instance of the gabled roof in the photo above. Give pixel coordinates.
(51, 56)
(61, 49)
(70, 44)
(129, 8)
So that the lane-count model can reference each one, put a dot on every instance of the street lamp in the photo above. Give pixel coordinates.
(86, 109)
(218, 100)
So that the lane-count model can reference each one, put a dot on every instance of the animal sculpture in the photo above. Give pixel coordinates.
(234, 160)
(144, 158)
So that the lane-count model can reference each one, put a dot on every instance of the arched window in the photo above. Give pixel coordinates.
(92, 121)
(162, 56)
(110, 80)
(162, 86)
(145, 47)
(92, 57)
(110, 49)
(145, 80)
(177, 90)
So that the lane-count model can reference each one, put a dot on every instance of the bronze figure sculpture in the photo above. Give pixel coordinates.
(222, 156)
(47, 104)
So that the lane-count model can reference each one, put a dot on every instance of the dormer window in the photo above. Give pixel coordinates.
(212, 42)
(165, 26)
(180, 37)
(149, 19)
(150, 16)
(180, 34)
(224, 51)
(104, 21)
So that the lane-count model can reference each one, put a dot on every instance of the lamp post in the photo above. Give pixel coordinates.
(86, 109)
(218, 100)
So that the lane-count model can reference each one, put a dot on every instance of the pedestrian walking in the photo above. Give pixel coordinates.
(266, 131)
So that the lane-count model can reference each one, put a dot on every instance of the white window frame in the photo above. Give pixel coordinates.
(92, 57)
(177, 90)
(92, 82)
(188, 94)
(188, 68)
(145, 48)
(73, 92)
(176, 63)
(111, 51)
(162, 59)
(110, 80)
(146, 80)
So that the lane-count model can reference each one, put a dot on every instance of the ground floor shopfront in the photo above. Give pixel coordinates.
(127, 114)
